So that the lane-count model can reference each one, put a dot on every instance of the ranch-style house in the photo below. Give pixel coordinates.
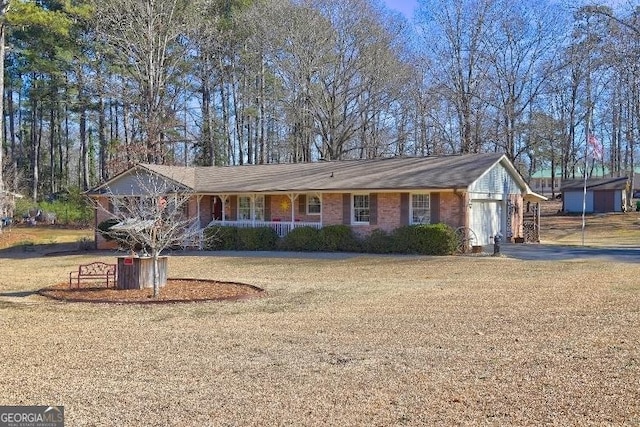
(482, 194)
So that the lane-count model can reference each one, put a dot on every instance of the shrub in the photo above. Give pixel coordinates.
(306, 239)
(378, 242)
(339, 238)
(257, 239)
(425, 239)
(220, 238)
(72, 209)
(442, 239)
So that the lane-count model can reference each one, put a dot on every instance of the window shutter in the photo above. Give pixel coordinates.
(404, 208)
(302, 204)
(267, 208)
(434, 207)
(373, 209)
(233, 208)
(346, 208)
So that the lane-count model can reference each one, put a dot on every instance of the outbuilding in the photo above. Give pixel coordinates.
(598, 195)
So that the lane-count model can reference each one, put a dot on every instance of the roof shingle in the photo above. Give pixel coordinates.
(435, 172)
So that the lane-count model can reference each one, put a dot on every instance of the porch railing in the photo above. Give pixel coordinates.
(282, 228)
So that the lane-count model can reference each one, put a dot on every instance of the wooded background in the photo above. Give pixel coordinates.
(92, 87)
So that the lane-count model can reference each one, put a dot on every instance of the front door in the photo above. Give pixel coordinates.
(216, 208)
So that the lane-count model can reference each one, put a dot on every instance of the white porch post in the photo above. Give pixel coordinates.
(198, 199)
(223, 199)
(293, 197)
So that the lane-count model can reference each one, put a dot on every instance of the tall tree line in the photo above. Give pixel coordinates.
(92, 87)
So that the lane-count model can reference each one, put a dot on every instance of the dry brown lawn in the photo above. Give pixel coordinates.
(362, 340)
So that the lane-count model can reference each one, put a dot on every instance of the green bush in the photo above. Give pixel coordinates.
(339, 238)
(308, 239)
(220, 238)
(72, 209)
(257, 239)
(443, 240)
(378, 242)
(425, 239)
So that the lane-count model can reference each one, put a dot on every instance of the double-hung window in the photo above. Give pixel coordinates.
(314, 205)
(251, 208)
(420, 209)
(361, 208)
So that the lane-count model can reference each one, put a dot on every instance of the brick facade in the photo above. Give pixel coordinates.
(102, 214)
(452, 209)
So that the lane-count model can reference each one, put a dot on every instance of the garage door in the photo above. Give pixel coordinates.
(486, 220)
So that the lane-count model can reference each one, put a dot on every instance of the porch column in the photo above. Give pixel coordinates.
(223, 199)
(293, 197)
(198, 199)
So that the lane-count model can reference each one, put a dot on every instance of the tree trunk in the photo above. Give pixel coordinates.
(156, 274)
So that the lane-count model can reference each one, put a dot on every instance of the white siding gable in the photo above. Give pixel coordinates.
(138, 182)
(496, 183)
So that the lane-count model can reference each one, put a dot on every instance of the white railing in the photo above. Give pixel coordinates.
(282, 228)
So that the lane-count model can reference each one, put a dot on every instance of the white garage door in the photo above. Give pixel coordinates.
(486, 220)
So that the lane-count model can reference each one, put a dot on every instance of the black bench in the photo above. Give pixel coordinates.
(94, 271)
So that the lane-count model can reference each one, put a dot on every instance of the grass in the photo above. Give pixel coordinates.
(42, 235)
(362, 340)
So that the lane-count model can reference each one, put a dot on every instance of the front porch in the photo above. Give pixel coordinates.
(282, 228)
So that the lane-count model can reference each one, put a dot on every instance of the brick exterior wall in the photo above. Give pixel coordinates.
(517, 219)
(450, 211)
(102, 214)
(454, 209)
(331, 209)
(206, 214)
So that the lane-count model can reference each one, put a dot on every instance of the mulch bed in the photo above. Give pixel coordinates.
(176, 290)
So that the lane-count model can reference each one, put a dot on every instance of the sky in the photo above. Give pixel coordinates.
(406, 7)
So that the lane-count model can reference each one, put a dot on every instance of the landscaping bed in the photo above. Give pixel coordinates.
(176, 290)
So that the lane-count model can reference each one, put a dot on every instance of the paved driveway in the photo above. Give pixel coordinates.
(536, 251)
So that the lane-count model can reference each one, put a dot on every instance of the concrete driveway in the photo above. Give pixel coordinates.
(545, 252)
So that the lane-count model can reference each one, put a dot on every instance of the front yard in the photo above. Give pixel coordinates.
(354, 340)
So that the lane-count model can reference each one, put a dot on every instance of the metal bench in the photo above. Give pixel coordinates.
(94, 271)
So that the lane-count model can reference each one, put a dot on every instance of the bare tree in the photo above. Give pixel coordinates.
(519, 54)
(148, 39)
(151, 216)
(456, 32)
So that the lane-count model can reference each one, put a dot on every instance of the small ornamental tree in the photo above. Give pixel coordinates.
(152, 218)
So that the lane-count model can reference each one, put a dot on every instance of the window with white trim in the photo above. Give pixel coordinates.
(314, 205)
(420, 209)
(251, 208)
(360, 208)
(258, 208)
(244, 208)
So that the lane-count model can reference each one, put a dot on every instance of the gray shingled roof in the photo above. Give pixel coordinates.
(615, 183)
(437, 172)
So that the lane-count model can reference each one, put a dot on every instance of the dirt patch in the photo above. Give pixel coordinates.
(176, 290)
